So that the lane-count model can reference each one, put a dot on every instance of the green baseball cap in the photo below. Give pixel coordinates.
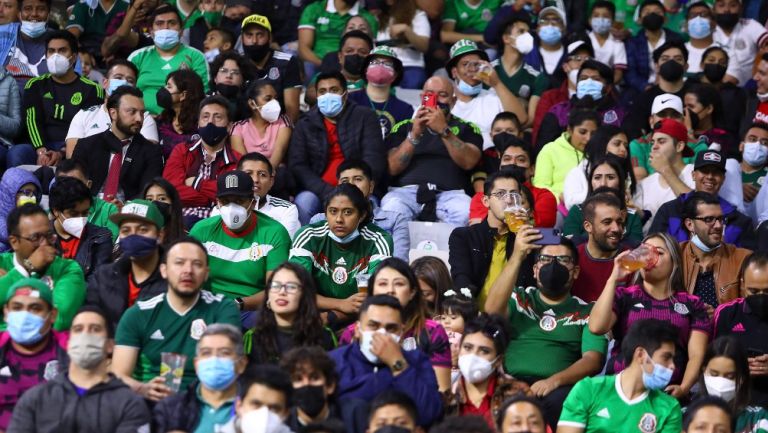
(30, 287)
(462, 48)
(142, 210)
(385, 51)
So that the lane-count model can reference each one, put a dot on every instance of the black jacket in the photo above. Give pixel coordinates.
(56, 407)
(142, 162)
(359, 137)
(181, 411)
(108, 288)
(95, 249)
(471, 250)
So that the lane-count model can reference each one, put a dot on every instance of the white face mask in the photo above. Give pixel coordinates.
(270, 111)
(720, 387)
(233, 215)
(366, 341)
(573, 76)
(474, 368)
(261, 420)
(74, 226)
(58, 65)
(211, 55)
(524, 43)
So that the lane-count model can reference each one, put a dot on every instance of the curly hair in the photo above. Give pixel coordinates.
(245, 65)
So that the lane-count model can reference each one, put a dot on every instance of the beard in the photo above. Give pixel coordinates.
(604, 244)
(184, 294)
(127, 128)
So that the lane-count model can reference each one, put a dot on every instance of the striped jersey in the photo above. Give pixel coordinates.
(334, 266)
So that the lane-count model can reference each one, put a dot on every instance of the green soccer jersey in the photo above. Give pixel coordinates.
(470, 18)
(334, 266)
(239, 262)
(93, 22)
(756, 178)
(597, 404)
(524, 83)
(99, 215)
(322, 17)
(154, 327)
(154, 69)
(753, 419)
(556, 333)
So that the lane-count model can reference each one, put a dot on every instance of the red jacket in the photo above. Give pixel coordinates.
(185, 161)
(549, 99)
(544, 206)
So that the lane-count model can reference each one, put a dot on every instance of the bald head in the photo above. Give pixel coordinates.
(443, 88)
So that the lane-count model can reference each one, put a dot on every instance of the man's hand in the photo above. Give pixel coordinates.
(189, 181)
(386, 349)
(750, 191)
(758, 365)
(490, 79)
(524, 245)
(42, 257)
(676, 391)
(42, 157)
(659, 162)
(155, 389)
(543, 387)
(53, 157)
(352, 304)
(419, 122)
(435, 119)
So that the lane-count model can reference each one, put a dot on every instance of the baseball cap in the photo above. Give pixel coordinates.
(461, 48)
(710, 157)
(235, 183)
(667, 100)
(555, 9)
(676, 130)
(30, 287)
(580, 44)
(141, 210)
(259, 20)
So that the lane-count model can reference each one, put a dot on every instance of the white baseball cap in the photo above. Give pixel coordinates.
(667, 100)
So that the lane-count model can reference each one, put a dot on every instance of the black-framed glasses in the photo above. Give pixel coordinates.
(563, 260)
(36, 238)
(290, 288)
(709, 220)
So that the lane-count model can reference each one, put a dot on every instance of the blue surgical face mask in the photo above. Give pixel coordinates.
(550, 35)
(33, 29)
(589, 87)
(216, 373)
(469, 90)
(346, 239)
(755, 153)
(699, 28)
(114, 83)
(24, 327)
(702, 246)
(330, 104)
(659, 378)
(601, 25)
(165, 39)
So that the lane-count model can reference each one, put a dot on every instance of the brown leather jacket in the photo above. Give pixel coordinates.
(506, 386)
(726, 268)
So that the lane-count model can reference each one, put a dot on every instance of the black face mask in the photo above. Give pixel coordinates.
(228, 91)
(164, 99)
(392, 429)
(653, 22)
(233, 25)
(671, 71)
(354, 64)
(212, 134)
(694, 119)
(727, 21)
(310, 399)
(714, 72)
(164, 209)
(256, 52)
(553, 278)
(758, 304)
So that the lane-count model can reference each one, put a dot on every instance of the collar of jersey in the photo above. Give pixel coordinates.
(250, 227)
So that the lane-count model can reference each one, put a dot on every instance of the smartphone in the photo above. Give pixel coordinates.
(429, 99)
(549, 236)
(752, 352)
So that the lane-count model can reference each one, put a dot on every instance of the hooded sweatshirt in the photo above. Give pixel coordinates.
(10, 184)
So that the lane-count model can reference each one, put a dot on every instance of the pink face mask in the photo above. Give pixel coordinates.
(380, 75)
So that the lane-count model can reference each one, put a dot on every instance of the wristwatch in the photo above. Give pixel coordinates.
(398, 366)
(240, 303)
(28, 265)
(415, 141)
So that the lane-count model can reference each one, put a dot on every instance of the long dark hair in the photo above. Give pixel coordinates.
(433, 271)
(186, 80)
(731, 348)
(615, 163)
(353, 193)
(174, 224)
(415, 313)
(307, 328)
(597, 147)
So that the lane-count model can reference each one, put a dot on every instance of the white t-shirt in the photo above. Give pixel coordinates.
(742, 47)
(551, 59)
(481, 111)
(655, 195)
(93, 120)
(612, 53)
(410, 56)
(695, 56)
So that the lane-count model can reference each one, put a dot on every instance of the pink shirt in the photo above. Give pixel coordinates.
(253, 141)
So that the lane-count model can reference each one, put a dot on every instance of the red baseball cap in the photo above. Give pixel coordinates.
(676, 130)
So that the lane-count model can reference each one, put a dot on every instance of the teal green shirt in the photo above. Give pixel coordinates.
(213, 419)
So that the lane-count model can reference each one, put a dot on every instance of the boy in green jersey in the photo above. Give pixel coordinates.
(633, 400)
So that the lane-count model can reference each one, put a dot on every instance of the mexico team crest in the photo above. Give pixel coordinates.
(548, 323)
(339, 275)
(648, 423)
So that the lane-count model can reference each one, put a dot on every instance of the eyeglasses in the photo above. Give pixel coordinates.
(580, 58)
(709, 220)
(36, 238)
(382, 62)
(501, 194)
(563, 260)
(290, 288)
(551, 20)
(233, 72)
